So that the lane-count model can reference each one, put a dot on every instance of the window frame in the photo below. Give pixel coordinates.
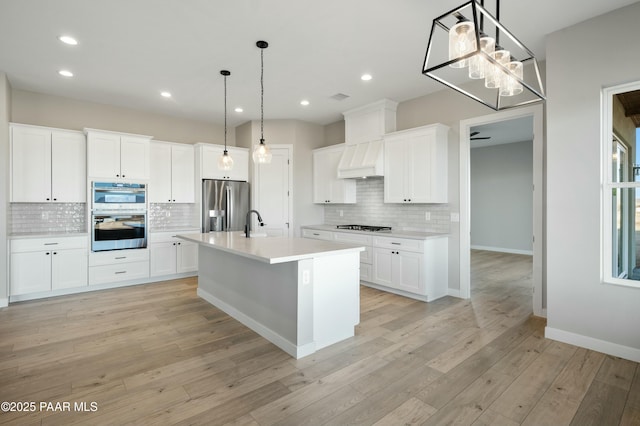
(607, 140)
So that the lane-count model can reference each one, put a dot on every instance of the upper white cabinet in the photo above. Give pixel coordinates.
(207, 160)
(415, 165)
(47, 165)
(172, 173)
(327, 188)
(370, 122)
(120, 156)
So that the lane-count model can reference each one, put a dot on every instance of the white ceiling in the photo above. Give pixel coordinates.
(130, 50)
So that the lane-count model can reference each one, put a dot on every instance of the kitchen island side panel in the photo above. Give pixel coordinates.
(253, 291)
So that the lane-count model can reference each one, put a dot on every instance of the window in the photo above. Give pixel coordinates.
(621, 185)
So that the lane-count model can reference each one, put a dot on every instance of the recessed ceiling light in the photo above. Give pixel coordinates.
(65, 73)
(304, 102)
(165, 94)
(366, 77)
(68, 40)
(238, 109)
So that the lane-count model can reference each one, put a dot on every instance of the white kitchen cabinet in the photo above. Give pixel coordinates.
(207, 156)
(172, 173)
(415, 165)
(370, 122)
(47, 165)
(117, 266)
(44, 264)
(412, 267)
(398, 269)
(170, 255)
(327, 188)
(117, 156)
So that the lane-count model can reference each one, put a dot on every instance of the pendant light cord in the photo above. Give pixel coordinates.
(225, 114)
(261, 95)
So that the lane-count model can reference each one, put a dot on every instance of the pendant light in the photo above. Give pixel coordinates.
(225, 162)
(262, 154)
(498, 71)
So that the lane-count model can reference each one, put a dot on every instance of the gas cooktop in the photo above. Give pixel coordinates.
(365, 228)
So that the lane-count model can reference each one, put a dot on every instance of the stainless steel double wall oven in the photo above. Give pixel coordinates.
(118, 216)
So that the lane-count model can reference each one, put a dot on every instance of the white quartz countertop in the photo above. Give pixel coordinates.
(415, 235)
(270, 249)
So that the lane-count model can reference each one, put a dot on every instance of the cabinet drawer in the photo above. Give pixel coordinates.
(116, 257)
(42, 244)
(399, 243)
(119, 272)
(317, 234)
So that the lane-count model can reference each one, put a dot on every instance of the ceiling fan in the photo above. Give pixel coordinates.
(478, 138)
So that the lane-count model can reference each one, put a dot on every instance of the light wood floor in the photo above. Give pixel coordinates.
(157, 354)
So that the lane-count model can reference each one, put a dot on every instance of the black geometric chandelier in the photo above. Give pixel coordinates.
(471, 52)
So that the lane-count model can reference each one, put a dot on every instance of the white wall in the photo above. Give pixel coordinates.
(502, 197)
(5, 117)
(581, 60)
(55, 111)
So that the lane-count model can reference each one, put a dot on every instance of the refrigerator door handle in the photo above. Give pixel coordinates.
(229, 210)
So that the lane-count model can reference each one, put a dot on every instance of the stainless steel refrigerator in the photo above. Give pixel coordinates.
(225, 204)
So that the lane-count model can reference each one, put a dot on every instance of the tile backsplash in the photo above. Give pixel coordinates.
(172, 215)
(41, 218)
(370, 209)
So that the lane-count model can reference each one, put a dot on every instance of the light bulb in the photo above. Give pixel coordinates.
(225, 162)
(462, 40)
(478, 63)
(262, 154)
(493, 73)
(510, 86)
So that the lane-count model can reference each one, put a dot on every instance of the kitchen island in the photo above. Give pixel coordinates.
(300, 294)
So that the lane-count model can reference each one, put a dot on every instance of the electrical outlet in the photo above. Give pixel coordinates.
(306, 278)
(167, 213)
(427, 216)
(341, 213)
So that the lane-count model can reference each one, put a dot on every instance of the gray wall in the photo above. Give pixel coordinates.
(5, 118)
(54, 111)
(502, 197)
(580, 307)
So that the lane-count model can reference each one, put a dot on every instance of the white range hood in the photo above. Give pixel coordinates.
(365, 128)
(363, 159)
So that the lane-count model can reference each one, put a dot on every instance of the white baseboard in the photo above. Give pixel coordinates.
(454, 293)
(610, 348)
(502, 250)
(4, 302)
(284, 344)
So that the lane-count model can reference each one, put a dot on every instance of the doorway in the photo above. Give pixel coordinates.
(536, 112)
(272, 189)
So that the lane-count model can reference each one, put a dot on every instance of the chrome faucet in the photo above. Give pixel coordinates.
(247, 224)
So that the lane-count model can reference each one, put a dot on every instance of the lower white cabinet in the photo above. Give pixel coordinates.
(118, 266)
(46, 264)
(170, 255)
(411, 267)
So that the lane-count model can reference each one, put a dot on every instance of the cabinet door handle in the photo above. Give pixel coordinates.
(48, 199)
(179, 243)
(50, 244)
(55, 252)
(121, 257)
(174, 244)
(123, 176)
(121, 272)
(118, 176)
(47, 253)
(317, 235)
(396, 244)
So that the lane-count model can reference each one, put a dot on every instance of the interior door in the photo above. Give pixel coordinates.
(273, 190)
